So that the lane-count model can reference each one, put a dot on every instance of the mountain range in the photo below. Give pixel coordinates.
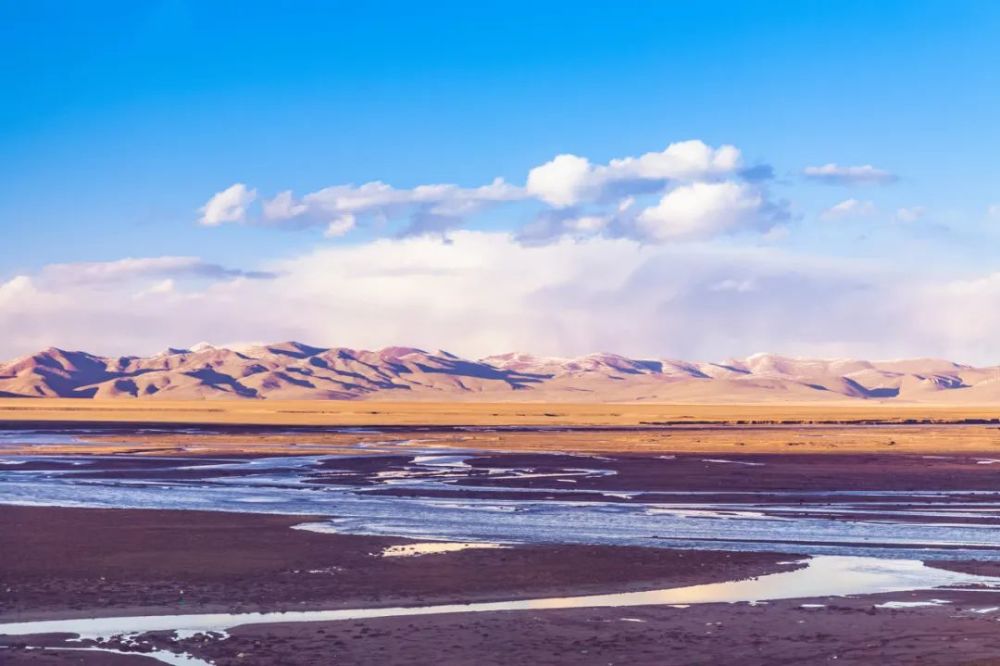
(296, 371)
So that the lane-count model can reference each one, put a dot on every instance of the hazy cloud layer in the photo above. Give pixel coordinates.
(126, 270)
(910, 213)
(482, 293)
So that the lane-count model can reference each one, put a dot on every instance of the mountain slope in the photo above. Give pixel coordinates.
(295, 371)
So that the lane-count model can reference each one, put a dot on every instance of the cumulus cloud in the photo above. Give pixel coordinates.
(849, 208)
(16, 288)
(703, 210)
(229, 205)
(568, 180)
(484, 292)
(835, 174)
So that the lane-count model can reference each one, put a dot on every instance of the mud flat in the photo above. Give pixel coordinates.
(575, 544)
(122, 556)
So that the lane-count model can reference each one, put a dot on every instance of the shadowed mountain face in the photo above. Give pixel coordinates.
(294, 371)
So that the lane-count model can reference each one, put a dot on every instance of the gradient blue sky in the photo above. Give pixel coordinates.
(120, 119)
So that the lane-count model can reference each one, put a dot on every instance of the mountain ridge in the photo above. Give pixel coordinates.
(294, 370)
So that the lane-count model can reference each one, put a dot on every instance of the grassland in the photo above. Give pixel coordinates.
(626, 428)
(363, 413)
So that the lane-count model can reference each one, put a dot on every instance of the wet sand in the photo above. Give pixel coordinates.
(57, 562)
(845, 631)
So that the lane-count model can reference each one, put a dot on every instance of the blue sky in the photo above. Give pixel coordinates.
(120, 120)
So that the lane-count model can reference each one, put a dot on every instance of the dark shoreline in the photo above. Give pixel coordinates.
(168, 427)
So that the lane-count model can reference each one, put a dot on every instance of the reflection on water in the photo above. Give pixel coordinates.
(823, 576)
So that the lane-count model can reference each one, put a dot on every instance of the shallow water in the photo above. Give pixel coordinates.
(163, 656)
(823, 576)
(901, 524)
(528, 521)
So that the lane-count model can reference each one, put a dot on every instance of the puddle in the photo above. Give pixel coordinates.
(443, 460)
(824, 576)
(435, 548)
(912, 604)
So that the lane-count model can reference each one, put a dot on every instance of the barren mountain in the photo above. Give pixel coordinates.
(292, 370)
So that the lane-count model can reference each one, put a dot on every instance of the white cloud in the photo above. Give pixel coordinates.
(568, 180)
(587, 224)
(702, 210)
(340, 226)
(911, 213)
(849, 208)
(835, 174)
(563, 181)
(167, 286)
(229, 205)
(283, 207)
(428, 208)
(18, 287)
(739, 286)
(993, 211)
(564, 186)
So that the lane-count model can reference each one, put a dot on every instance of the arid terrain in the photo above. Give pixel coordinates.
(296, 371)
(275, 426)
